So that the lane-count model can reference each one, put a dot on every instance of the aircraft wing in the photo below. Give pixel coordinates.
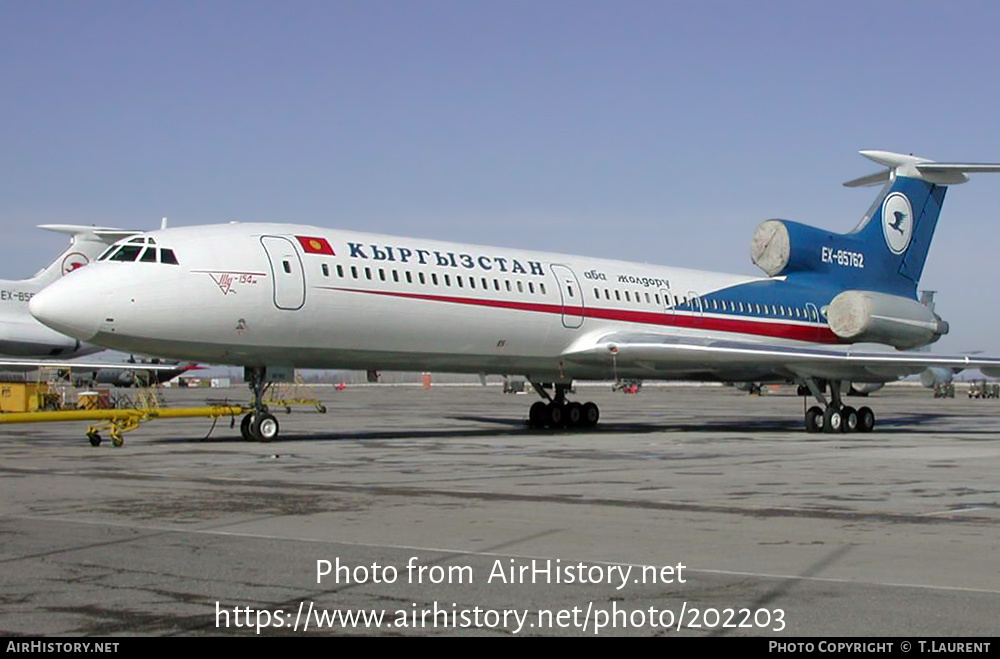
(32, 364)
(671, 357)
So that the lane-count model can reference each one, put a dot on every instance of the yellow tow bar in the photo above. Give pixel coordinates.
(119, 422)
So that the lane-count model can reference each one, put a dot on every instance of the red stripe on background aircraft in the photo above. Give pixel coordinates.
(274, 297)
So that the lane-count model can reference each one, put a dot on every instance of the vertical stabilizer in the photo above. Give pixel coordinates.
(85, 245)
(896, 233)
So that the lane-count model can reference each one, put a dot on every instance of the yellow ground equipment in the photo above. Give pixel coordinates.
(292, 393)
(27, 397)
(57, 400)
(119, 422)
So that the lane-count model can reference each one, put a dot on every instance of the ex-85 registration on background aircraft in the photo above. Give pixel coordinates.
(273, 297)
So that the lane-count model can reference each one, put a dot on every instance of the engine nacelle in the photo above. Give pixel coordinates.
(866, 316)
(864, 388)
(933, 376)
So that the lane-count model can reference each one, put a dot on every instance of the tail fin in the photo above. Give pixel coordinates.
(85, 245)
(895, 235)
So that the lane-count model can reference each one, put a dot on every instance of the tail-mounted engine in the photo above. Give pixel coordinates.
(866, 316)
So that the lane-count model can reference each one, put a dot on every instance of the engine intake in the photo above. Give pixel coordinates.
(866, 316)
(780, 247)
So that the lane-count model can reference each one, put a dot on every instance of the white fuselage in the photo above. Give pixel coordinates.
(307, 297)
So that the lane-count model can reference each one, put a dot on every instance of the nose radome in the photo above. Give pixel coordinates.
(68, 306)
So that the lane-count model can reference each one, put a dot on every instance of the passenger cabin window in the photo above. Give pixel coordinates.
(287, 267)
(326, 270)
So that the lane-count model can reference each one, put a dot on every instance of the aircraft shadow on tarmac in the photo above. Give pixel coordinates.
(911, 424)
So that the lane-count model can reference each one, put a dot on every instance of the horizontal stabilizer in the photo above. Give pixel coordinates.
(964, 167)
(938, 173)
(877, 178)
(106, 234)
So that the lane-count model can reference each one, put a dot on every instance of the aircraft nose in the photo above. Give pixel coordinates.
(69, 307)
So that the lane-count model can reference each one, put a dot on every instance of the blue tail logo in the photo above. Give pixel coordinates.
(897, 226)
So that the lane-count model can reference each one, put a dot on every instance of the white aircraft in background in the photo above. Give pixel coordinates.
(23, 336)
(28, 345)
(274, 297)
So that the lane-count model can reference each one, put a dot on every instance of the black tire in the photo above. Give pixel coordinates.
(265, 427)
(866, 419)
(555, 415)
(574, 415)
(94, 438)
(833, 420)
(850, 419)
(591, 415)
(814, 419)
(537, 415)
(246, 428)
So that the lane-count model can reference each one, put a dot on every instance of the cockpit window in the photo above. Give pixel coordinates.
(127, 253)
(139, 249)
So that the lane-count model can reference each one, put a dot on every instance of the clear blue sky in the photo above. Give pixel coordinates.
(650, 131)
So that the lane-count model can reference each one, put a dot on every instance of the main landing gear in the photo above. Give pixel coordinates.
(259, 425)
(560, 413)
(834, 416)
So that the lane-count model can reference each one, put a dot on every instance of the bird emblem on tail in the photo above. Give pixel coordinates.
(897, 224)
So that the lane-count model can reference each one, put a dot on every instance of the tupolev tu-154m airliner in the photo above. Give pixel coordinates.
(274, 297)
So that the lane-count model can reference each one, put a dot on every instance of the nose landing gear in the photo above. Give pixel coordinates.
(259, 425)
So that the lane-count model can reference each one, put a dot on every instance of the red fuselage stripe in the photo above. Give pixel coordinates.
(811, 333)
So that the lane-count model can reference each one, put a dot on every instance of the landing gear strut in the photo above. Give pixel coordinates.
(560, 413)
(834, 416)
(259, 425)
